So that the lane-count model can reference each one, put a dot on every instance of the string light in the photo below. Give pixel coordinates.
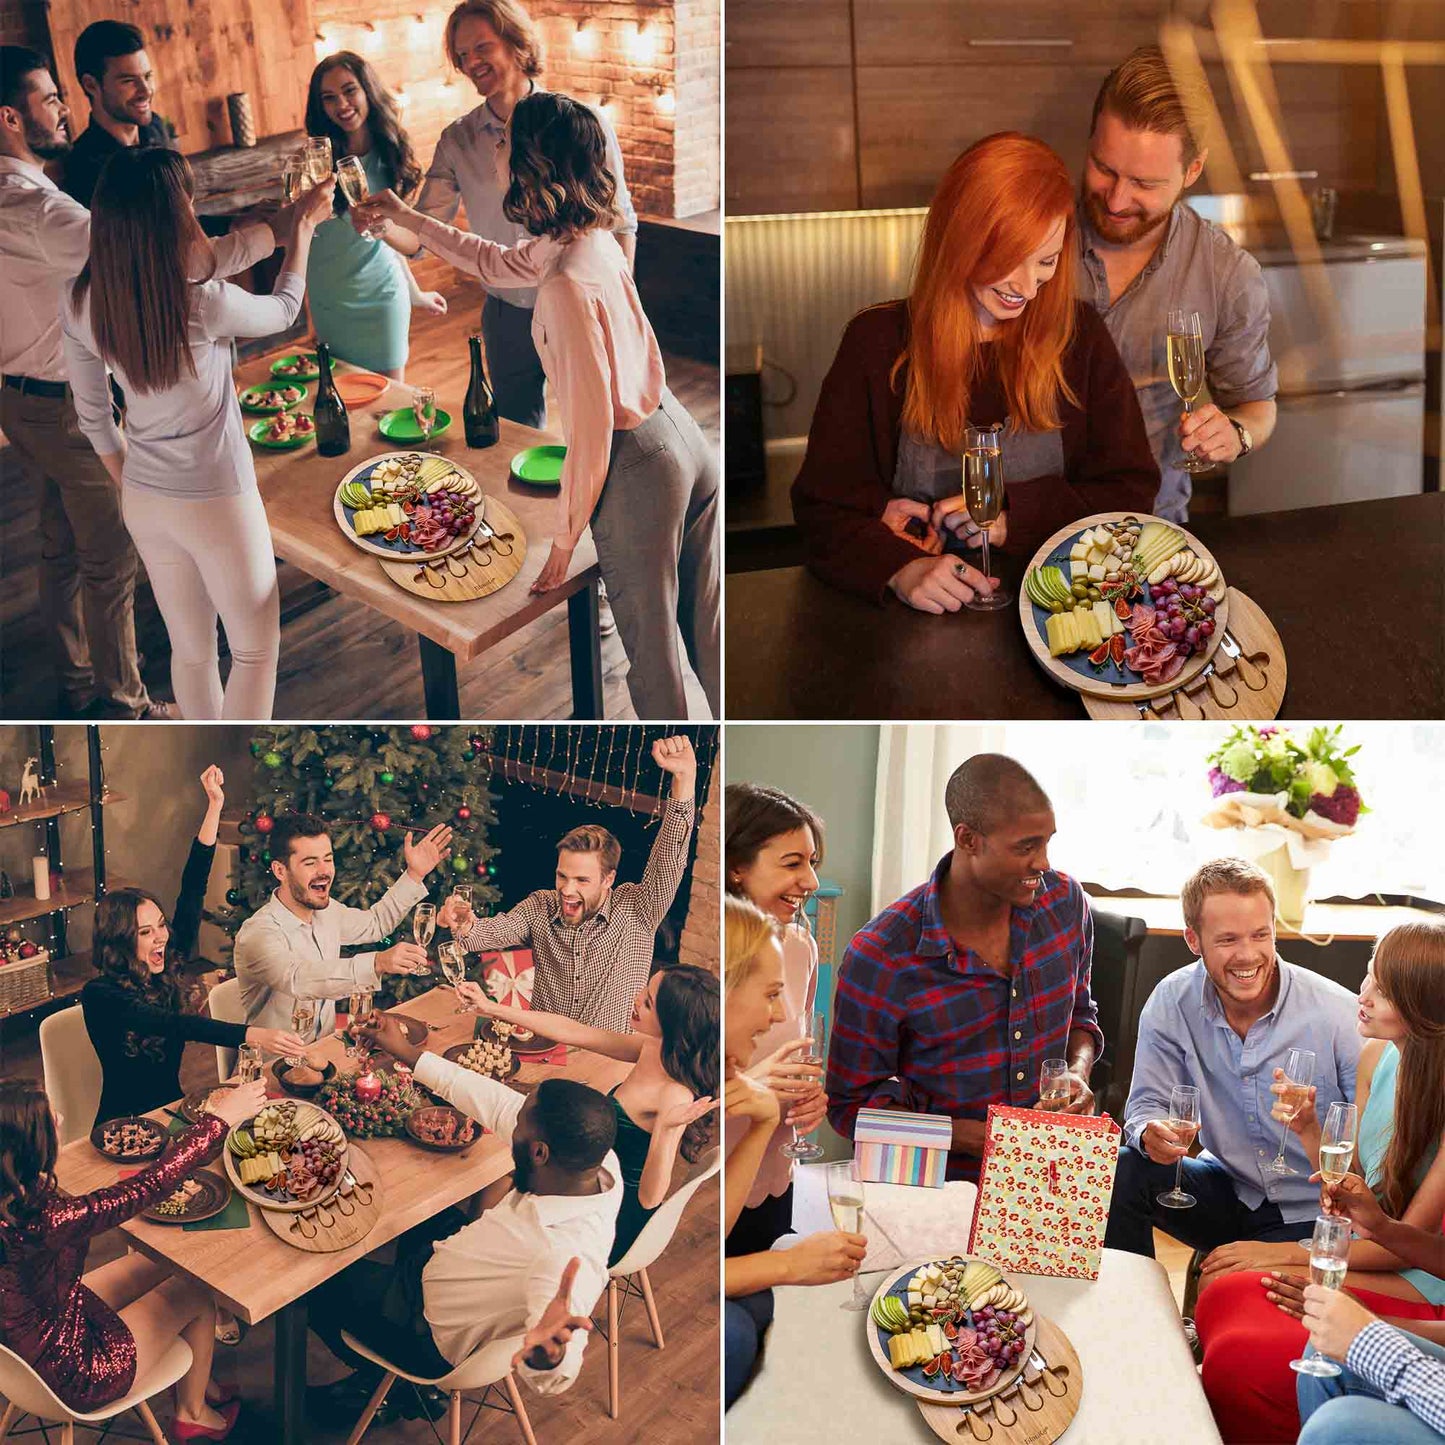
(584, 39)
(642, 42)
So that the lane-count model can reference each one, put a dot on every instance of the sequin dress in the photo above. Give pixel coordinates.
(65, 1332)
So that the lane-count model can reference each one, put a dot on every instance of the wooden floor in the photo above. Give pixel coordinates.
(340, 659)
(667, 1396)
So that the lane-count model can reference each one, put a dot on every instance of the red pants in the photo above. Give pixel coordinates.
(1248, 1344)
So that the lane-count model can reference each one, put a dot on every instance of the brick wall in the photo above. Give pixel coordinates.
(700, 934)
(697, 124)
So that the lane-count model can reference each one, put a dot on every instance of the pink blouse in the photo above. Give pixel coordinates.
(595, 342)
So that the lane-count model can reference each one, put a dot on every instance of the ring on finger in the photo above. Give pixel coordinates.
(960, 570)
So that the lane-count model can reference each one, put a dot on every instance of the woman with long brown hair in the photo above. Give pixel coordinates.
(638, 470)
(146, 306)
(1251, 1301)
(361, 292)
(991, 333)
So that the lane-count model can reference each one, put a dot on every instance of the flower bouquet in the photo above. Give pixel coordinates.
(1285, 799)
(381, 1118)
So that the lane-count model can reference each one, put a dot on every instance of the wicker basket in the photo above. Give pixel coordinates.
(25, 984)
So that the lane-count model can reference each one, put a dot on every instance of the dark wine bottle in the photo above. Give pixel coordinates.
(333, 430)
(479, 411)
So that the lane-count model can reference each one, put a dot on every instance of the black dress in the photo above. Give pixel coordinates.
(631, 1146)
(140, 1042)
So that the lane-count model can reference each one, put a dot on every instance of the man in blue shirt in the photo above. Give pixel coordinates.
(1224, 1024)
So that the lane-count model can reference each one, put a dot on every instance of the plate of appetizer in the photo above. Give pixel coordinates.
(519, 1040)
(305, 1080)
(486, 1057)
(131, 1140)
(443, 1128)
(268, 400)
(202, 1196)
(1123, 607)
(290, 1156)
(298, 367)
(284, 432)
(950, 1331)
(408, 505)
(194, 1106)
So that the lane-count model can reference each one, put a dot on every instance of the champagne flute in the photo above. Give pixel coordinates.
(248, 1063)
(845, 1203)
(801, 1147)
(983, 493)
(358, 1006)
(424, 409)
(1329, 1263)
(1183, 1118)
(318, 159)
(303, 1020)
(1337, 1141)
(293, 175)
(1299, 1071)
(1054, 1089)
(1185, 343)
(453, 960)
(351, 177)
(423, 924)
(462, 892)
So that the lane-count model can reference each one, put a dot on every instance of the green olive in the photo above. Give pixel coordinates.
(1081, 589)
(1056, 606)
(1095, 594)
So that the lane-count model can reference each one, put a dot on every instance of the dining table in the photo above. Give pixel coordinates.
(299, 489)
(1356, 593)
(256, 1276)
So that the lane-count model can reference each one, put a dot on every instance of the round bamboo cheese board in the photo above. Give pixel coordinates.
(347, 1217)
(396, 550)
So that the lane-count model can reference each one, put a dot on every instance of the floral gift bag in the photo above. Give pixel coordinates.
(1043, 1192)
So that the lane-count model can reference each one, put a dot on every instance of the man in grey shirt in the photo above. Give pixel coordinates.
(495, 44)
(1144, 253)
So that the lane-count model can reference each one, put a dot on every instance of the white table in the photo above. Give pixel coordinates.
(820, 1386)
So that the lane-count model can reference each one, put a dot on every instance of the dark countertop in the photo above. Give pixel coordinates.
(1356, 593)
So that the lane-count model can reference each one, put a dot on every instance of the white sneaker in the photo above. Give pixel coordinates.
(606, 622)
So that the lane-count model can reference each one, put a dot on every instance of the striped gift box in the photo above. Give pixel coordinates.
(890, 1147)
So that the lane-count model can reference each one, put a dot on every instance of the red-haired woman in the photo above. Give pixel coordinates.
(992, 331)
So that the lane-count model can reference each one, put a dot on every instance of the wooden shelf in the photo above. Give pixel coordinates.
(59, 799)
(76, 889)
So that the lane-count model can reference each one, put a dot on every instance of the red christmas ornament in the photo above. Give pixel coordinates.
(421, 732)
(264, 823)
(464, 813)
(480, 870)
(380, 821)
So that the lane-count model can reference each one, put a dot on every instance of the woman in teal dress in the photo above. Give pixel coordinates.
(665, 1102)
(361, 292)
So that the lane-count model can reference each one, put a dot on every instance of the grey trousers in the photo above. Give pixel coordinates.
(656, 530)
(518, 381)
(87, 563)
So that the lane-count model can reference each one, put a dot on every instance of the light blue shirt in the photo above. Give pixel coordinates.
(1184, 1038)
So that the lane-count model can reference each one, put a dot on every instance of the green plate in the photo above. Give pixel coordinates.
(269, 410)
(308, 375)
(539, 466)
(400, 425)
(257, 432)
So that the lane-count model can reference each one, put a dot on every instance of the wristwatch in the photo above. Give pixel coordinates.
(1246, 442)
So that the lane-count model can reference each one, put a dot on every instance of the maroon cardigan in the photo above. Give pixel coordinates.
(847, 475)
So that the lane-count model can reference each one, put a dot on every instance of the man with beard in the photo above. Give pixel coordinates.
(533, 1264)
(592, 943)
(292, 946)
(952, 998)
(496, 45)
(115, 73)
(1226, 1024)
(1144, 254)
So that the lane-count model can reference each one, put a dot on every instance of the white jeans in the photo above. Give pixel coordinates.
(207, 557)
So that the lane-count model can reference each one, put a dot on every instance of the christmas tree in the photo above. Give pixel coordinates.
(370, 785)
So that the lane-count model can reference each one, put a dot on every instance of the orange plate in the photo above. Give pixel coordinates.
(357, 388)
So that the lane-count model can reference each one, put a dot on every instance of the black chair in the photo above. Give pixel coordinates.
(1118, 940)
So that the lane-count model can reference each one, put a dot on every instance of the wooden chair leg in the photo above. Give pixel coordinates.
(67, 1433)
(372, 1406)
(454, 1418)
(652, 1316)
(519, 1409)
(614, 1344)
(148, 1418)
(11, 1415)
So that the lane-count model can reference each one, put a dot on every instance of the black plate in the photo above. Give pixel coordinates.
(215, 1195)
(193, 1105)
(535, 1045)
(454, 1054)
(416, 1030)
(301, 1091)
(435, 1111)
(159, 1139)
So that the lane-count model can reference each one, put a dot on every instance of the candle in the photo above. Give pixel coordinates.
(40, 865)
(367, 1088)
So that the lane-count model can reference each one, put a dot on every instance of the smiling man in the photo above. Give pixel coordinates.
(951, 999)
(1224, 1024)
(1143, 254)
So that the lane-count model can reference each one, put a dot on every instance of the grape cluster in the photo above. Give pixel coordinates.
(999, 1334)
(1185, 612)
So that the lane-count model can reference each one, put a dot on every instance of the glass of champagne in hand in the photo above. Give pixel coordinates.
(1298, 1072)
(845, 1204)
(293, 176)
(303, 1020)
(358, 1006)
(423, 924)
(1337, 1141)
(801, 1146)
(453, 960)
(1184, 1122)
(983, 493)
(351, 177)
(1054, 1084)
(1329, 1263)
(1186, 371)
(424, 409)
(318, 159)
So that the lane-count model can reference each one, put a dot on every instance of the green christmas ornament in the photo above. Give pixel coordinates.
(460, 864)
(235, 897)
(273, 760)
(491, 870)
(266, 856)
(388, 777)
(255, 750)
(328, 782)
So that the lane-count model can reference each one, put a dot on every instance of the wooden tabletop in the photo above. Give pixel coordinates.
(1356, 593)
(250, 1271)
(299, 487)
(1332, 922)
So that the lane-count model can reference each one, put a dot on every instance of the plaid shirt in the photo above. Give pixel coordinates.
(1396, 1369)
(594, 971)
(920, 1026)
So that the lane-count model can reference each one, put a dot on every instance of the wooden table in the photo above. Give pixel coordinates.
(1356, 593)
(253, 1274)
(299, 487)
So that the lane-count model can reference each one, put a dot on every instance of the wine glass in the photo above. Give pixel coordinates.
(1297, 1075)
(423, 924)
(303, 1020)
(983, 493)
(293, 175)
(358, 1006)
(248, 1063)
(462, 892)
(1054, 1084)
(424, 409)
(801, 1147)
(1337, 1141)
(351, 177)
(1329, 1263)
(845, 1203)
(318, 159)
(1185, 343)
(1183, 1117)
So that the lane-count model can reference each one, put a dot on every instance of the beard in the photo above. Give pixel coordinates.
(301, 894)
(121, 115)
(522, 1174)
(49, 145)
(1111, 230)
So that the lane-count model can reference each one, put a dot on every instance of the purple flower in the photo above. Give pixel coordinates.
(1221, 782)
(1342, 806)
